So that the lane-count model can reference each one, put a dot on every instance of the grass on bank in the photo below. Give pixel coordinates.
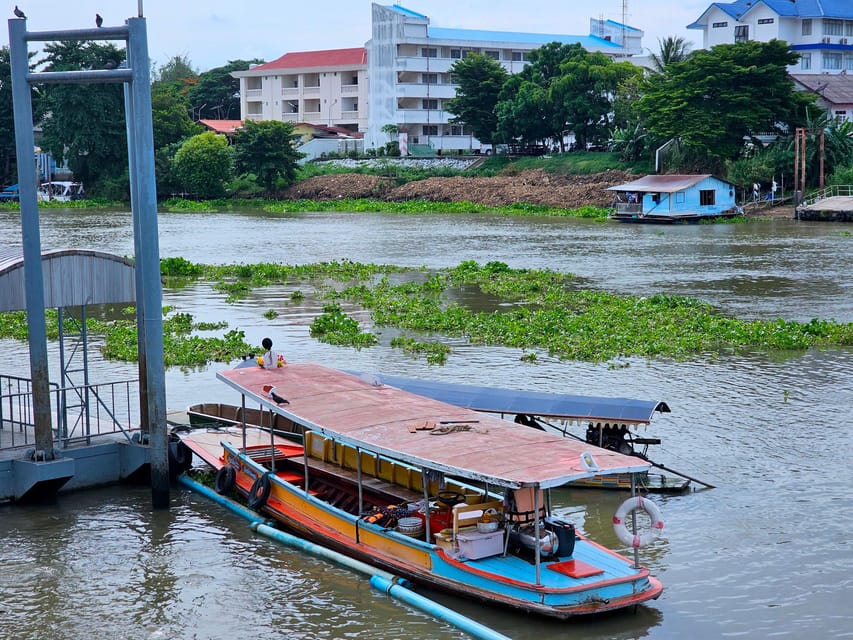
(535, 311)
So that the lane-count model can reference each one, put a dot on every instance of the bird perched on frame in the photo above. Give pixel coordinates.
(99, 21)
(19, 13)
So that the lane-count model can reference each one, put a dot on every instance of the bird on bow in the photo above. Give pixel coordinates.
(99, 21)
(19, 13)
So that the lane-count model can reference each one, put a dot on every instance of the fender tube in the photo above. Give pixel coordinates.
(229, 504)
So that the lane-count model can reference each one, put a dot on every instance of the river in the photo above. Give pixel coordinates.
(763, 554)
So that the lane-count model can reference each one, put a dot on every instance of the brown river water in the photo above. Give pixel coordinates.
(764, 554)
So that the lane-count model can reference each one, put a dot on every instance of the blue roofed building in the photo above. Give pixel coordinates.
(821, 31)
(409, 61)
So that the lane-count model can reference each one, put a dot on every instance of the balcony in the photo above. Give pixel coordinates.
(422, 116)
(253, 94)
(416, 90)
(429, 65)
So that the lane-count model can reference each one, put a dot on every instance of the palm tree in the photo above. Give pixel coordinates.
(672, 49)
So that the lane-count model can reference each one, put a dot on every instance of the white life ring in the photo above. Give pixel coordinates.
(628, 507)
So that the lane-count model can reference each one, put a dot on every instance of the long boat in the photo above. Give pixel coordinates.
(437, 494)
(607, 422)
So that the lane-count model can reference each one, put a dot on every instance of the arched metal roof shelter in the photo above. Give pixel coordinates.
(72, 278)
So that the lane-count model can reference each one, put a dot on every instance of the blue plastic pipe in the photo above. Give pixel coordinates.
(236, 507)
(381, 580)
(472, 628)
(320, 551)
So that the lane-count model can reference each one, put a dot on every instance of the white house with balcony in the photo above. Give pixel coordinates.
(321, 87)
(409, 61)
(821, 31)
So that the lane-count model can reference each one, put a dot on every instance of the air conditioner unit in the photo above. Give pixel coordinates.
(825, 40)
(843, 41)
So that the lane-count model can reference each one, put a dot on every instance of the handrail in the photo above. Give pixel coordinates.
(828, 192)
(113, 409)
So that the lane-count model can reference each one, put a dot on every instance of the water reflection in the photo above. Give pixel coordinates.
(763, 553)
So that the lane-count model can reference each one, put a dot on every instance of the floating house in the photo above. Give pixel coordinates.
(673, 198)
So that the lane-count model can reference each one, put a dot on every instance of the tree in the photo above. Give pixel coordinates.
(563, 88)
(479, 79)
(715, 98)
(266, 149)
(8, 160)
(170, 116)
(178, 68)
(672, 49)
(84, 123)
(216, 95)
(203, 165)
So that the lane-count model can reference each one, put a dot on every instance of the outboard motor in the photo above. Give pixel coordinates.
(524, 537)
(565, 532)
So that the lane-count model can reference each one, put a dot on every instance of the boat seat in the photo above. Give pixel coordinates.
(465, 515)
(646, 441)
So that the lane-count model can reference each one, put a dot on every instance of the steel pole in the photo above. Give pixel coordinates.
(33, 272)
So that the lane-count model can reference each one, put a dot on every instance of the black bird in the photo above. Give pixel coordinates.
(99, 21)
(277, 398)
(19, 13)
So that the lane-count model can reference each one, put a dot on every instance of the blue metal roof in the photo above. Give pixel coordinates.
(533, 403)
(474, 35)
(785, 8)
(401, 9)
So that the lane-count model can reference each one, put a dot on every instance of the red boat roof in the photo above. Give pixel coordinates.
(424, 432)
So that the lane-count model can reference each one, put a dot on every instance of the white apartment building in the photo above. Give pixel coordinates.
(409, 61)
(401, 77)
(821, 31)
(319, 87)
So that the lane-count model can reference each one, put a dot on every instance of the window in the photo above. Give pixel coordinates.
(742, 33)
(807, 27)
(456, 53)
(429, 52)
(805, 61)
(430, 129)
(680, 197)
(832, 61)
(429, 103)
(429, 78)
(719, 25)
(833, 27)
(841, 116)
(494, 55)
(456, 130)
(848, 28)
(707, 197)
(765, 21)
(848, 62)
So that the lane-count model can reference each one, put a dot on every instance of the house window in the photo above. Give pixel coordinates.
(429, 103)
(430, 129)
(707, 197)
(841, 116)
(429, 78)
(848, 62)
(494, 55)
(719, 25)
(805, 61)
(429, 52)
(807, 27)
(742, 33)
(765, 21)
(848, 28)
(656, 198)
(833, 27)
(680, 197)
(831, 61)
(456, 54)
(456, 130)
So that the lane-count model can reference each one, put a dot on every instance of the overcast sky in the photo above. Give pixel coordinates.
(212, 32)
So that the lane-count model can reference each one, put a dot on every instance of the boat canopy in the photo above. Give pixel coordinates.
(532, 403)
(421, 431)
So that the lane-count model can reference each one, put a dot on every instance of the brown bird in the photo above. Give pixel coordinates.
(19, 13)
(99, 21)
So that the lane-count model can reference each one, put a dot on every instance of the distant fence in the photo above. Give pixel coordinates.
(79, 412)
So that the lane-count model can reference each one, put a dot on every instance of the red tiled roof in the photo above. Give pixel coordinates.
(222, 126)
(326, 58)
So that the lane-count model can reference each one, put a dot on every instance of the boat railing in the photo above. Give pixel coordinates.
(79, 412)
(628, 207)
